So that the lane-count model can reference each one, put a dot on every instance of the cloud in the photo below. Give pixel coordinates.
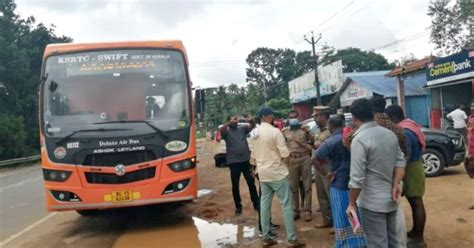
(219, 35)
(61, 7)
(360, 33)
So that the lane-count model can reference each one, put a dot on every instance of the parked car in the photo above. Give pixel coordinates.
(443, 149)
(220, 152)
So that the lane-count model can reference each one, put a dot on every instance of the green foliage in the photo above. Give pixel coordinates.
(223, 101)
(325, 53)
(22, 42)
(13, 137)
(450, 29)
(355, 60)
(272, 69)
(254, 98)
(280, 105)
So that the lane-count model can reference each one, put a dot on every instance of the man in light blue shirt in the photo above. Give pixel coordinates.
(377, 168)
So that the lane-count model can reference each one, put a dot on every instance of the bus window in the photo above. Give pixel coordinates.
(140, 85)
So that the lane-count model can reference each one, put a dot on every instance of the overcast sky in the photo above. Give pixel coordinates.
(220, 34)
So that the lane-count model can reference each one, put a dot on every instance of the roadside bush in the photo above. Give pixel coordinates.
(12, 137)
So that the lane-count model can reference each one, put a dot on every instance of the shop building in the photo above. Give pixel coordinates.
(303, 92)
(376, 83)
(450, 81)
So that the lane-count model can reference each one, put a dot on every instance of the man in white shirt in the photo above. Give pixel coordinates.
(459, 118)
(269, 150)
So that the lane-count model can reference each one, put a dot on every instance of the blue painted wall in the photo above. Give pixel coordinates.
(417, 109)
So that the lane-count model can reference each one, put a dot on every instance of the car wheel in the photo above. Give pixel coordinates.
(434, 162)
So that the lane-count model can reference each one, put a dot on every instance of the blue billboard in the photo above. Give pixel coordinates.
(455, 67)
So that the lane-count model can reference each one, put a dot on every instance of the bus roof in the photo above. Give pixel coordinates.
(60, 48)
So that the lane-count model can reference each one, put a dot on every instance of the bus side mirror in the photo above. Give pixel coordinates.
(199, 102)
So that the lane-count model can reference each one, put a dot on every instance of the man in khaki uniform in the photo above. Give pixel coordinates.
(297, 140)
(321, 116)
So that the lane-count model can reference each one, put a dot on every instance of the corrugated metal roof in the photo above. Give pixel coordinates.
(377, 82)
(411, 67)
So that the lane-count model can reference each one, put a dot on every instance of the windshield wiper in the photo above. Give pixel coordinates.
(89, 130)
(156, 129)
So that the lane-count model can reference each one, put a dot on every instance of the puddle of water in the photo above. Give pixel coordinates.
(187, 232)
(203, 192)
(217, 235)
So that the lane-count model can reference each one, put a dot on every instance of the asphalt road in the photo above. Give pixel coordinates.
(21, 199)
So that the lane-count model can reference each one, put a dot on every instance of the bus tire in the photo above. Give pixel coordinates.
(88, 213)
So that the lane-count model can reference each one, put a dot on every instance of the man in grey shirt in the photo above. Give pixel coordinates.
(377, 168)
(238, 156)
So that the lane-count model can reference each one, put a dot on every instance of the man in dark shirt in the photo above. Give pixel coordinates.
(238, 156)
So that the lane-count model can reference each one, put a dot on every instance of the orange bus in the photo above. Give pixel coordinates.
(116, 125)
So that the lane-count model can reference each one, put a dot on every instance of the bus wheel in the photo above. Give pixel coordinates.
(88, 213)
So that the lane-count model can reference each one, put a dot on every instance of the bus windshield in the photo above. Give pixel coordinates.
(83, 89)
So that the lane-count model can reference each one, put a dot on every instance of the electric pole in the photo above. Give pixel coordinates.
(315, 58)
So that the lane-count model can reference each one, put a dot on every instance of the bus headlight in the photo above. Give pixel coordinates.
(56, 175)
(183, 165)
(176, 186)
(65, 196)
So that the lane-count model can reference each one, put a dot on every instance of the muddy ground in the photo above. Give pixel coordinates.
(449, 222)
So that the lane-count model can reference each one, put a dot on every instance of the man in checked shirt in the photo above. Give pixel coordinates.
(378, 107)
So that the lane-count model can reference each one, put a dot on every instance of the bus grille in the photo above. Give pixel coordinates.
(113, 159)
(109, 178)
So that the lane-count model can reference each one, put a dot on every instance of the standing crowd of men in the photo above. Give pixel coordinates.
(362, 171)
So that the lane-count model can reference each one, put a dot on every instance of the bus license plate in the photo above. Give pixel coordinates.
(122, 196)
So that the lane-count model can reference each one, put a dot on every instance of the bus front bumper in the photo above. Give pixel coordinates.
(104, 198)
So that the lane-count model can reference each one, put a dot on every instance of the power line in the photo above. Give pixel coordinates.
(409, 47)
(363, 7)
(335, 14)
(399, 41)
(353, 13)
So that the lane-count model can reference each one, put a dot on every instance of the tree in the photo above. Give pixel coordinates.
(22, 42)
(450, 30)
(354, 60)
(271, 69)
(325, 53)
(405, 59)
(253, 98)
(233, 92)
(280, 105)
(232, 100)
